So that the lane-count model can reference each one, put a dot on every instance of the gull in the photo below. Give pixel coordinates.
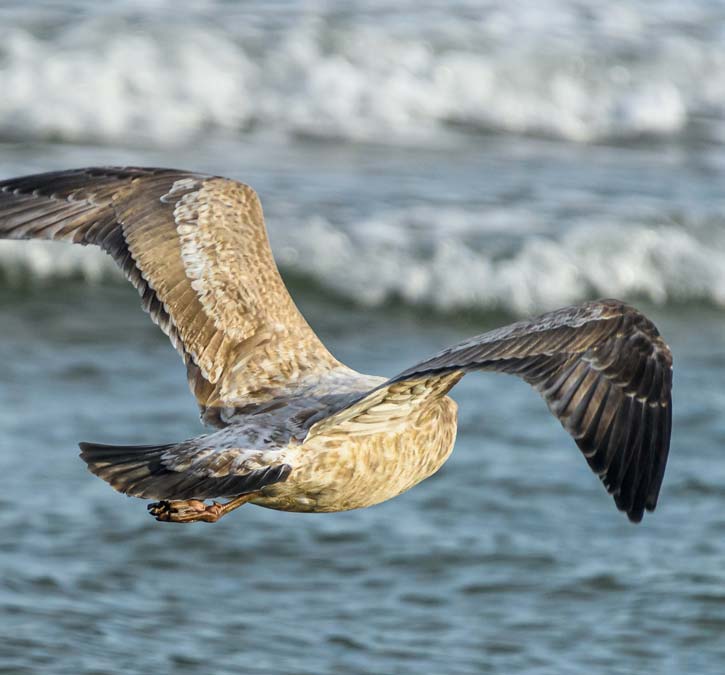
(291, 427)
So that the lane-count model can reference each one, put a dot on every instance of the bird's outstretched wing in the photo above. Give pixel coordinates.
(603, 370)
(196, 249)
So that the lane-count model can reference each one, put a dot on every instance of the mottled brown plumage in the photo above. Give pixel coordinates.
(296, 429)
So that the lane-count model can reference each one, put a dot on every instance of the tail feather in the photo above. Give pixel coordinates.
(150, 472)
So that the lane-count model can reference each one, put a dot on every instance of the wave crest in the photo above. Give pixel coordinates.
(660, 263)
(613, 74)
(445, 261)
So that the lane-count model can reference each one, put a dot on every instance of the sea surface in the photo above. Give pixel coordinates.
(429, 170)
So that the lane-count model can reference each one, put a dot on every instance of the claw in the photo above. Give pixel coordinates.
(160, 506)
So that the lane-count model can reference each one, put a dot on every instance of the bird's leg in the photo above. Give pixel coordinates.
(194, 510)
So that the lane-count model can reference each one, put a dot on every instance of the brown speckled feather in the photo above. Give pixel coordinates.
(196, 249)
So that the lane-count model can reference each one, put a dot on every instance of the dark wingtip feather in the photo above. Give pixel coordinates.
(635, 515)
(614, 398)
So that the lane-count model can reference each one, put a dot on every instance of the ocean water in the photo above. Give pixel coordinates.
(429, 170)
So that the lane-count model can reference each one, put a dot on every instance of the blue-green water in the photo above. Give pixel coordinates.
(593, 167)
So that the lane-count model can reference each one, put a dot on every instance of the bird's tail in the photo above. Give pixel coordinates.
(127, 468)
(170, 472)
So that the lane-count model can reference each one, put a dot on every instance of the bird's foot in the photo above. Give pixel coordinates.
(194, 510)
(186, 511)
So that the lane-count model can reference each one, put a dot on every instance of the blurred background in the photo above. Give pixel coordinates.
(429, 170)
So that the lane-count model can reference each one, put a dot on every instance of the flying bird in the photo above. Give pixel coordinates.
(291, 427)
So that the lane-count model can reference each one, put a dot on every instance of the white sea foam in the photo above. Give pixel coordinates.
(662, 263)
(527, 67)
(509, 264)
(43, 261)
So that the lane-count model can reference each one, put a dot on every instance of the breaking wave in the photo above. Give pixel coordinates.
(442, 260)
(135, 73)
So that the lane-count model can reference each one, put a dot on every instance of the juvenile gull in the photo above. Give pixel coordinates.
(293, 428)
